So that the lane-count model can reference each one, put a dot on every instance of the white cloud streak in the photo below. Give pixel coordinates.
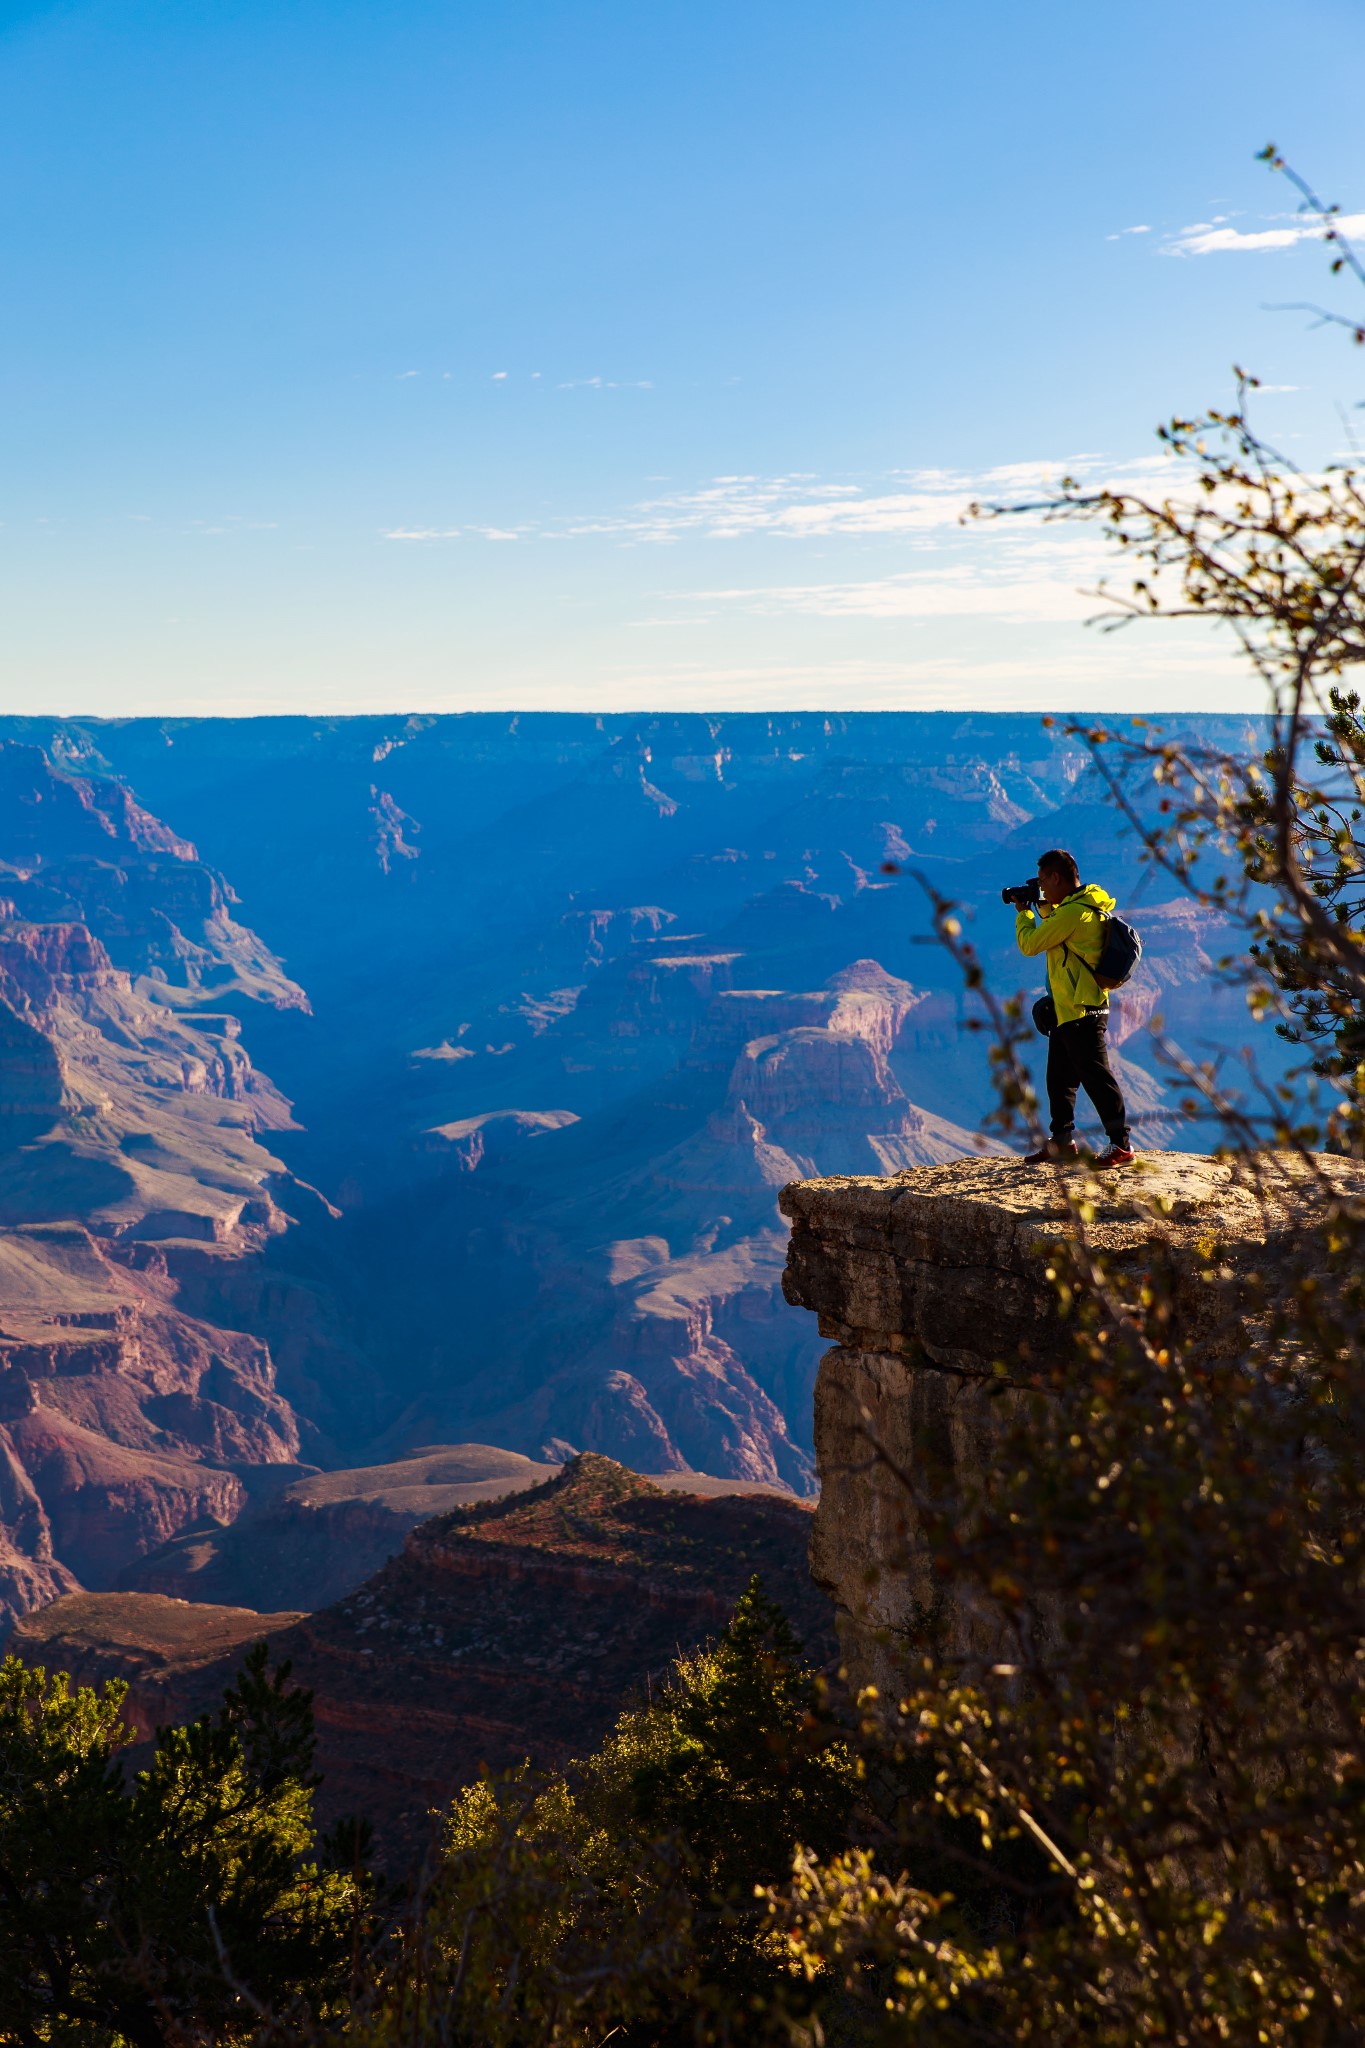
(1037, 584)
(799, 507)
(927, 507)
(1218, 236)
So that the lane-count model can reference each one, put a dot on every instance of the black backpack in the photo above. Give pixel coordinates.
(1119, 955)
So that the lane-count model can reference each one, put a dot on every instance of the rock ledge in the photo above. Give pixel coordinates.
(934, 1285)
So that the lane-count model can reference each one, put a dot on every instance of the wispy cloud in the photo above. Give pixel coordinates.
(1214, 237)
(1010, 576)
(427, 533)
(234, 523)
(800, 507)
(1141, 230)
(918, 503)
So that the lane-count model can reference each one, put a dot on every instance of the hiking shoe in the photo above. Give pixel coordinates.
(1117, 1155)
(1053, 1154)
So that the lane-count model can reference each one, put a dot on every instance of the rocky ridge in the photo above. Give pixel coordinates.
(510, 1630)
(313, 1538)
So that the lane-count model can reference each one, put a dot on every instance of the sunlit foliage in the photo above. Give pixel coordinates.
(623, 1900)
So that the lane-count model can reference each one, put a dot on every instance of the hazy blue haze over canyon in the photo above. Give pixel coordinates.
(380, 1083)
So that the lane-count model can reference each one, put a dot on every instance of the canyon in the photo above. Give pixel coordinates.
(382, 1099)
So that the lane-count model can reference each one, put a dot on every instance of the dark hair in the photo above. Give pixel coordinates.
(1059, 863)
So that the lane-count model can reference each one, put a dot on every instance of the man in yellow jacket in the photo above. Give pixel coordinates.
(1069, 928)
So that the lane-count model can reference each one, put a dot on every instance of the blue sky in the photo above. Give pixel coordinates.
(361, 356)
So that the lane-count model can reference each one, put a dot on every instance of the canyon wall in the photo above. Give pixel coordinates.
(934, 1285)
(134, 1175)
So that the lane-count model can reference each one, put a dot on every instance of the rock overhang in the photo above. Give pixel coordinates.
(935, 1285)
(953, 1261)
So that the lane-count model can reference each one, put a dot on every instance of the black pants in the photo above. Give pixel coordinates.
(1078, 1057)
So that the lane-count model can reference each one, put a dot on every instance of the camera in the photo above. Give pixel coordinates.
(1027, 895)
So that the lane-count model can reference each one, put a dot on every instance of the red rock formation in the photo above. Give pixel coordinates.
(127, 1134)
(390, 825)
(32, 1083)
(175, 1657)
(106, 1505)
(40, 963)
(830, 1097)
(119, 1411)
(30, 1575)
(52, 813)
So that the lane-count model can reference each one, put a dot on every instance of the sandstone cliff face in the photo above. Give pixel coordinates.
(130, 1122)
(933, 1286)
(123, 1416)
(32, 1082)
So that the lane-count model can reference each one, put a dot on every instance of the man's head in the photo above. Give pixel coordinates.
(1058, 875)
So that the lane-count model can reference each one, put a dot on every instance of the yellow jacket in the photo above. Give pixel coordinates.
(1072, 936)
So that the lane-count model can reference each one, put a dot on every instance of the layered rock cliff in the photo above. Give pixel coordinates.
(934, 1285)
(130, 1154)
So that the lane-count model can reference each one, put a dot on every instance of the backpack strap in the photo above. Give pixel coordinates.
(1091, 972)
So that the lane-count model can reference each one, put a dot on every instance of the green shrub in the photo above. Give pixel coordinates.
(623, 1898)
(179, 1910)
